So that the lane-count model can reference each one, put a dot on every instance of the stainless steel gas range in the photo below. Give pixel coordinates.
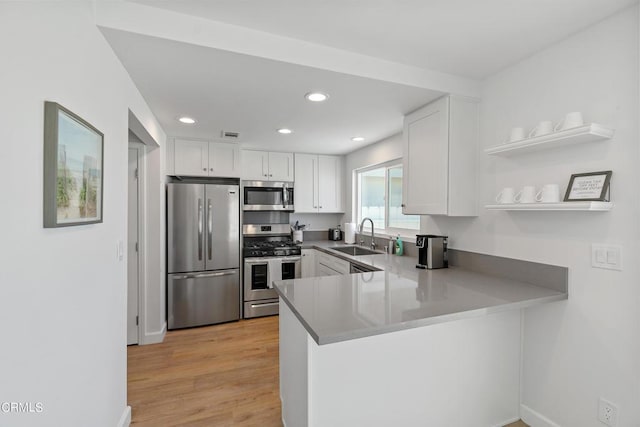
(269, 254)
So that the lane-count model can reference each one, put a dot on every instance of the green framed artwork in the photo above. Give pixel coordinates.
(73, 162)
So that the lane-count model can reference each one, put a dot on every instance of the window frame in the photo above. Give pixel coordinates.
(387, 230)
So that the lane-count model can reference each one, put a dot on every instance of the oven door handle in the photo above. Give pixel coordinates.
(291, 258)
(256, 261)
(265, 304)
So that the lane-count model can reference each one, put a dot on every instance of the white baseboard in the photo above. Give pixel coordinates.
(125, 419)
(155, 337)
(535, 419)
(509, 421)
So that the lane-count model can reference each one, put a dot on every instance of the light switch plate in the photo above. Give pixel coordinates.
(606, 256)
(120, 250)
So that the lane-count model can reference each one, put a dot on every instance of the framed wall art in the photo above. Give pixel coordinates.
(592, 186)
(73, 175)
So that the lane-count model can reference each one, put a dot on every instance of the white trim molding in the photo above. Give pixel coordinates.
(125, 419)
(154, 337)
(535, 419)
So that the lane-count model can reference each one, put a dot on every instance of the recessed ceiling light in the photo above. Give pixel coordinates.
(285, 131)
(187, 120)
(316, 96)
(357, 139)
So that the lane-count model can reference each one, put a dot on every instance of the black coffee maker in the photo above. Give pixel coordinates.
(432, 251)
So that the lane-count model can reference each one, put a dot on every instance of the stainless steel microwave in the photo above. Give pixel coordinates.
(267, 196)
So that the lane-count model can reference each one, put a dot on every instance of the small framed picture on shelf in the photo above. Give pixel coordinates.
(592, 186)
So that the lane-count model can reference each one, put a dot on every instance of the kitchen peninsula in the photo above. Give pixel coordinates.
(409, 347)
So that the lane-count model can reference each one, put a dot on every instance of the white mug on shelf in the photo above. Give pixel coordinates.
(526, 195)
(516, 134)
(505, 196)
(550, 193)
(571, 120)
(543, 128)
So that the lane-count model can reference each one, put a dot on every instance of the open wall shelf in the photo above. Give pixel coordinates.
(562, 206)
(587, 133)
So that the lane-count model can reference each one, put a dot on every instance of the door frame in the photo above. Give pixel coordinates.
(141, 254)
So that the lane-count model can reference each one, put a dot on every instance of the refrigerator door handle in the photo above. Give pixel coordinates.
(205, 275)
(200, 226)
(209, 228)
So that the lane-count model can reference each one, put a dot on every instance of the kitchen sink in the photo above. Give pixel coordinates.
(355, 250)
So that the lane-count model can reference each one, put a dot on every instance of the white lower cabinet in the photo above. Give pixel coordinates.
(328, 265)
(308, 264)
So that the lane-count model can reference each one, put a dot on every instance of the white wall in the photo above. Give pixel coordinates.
(380, 152)
(317, 221)
(63, 302)
(588, 347)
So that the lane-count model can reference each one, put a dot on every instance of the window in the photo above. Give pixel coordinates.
(379, 197)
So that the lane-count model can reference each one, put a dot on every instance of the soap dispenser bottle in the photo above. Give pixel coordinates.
(399, 246)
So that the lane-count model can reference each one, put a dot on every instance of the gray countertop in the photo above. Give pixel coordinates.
(341, 308)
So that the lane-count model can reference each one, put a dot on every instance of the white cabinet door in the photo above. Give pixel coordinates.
(306, 186)
(281, 167)
(440, 158)
(328, 264)
(224, 159)
(255, 165)
(191, 157)
(308, 264)
(330, 184)
(426, 159)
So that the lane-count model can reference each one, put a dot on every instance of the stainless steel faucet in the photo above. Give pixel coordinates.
(373, 242)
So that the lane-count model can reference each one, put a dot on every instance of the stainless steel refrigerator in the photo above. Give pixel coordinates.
(203, 254)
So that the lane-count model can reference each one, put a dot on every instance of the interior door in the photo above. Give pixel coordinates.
(132, 249)
(222, 227)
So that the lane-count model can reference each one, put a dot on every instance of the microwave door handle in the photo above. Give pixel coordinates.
(285, 196)
(200, 227)
(209, 228)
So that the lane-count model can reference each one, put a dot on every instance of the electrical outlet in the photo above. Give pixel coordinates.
(607, 413)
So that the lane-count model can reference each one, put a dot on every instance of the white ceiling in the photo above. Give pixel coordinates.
(473, 38)
(255, 96)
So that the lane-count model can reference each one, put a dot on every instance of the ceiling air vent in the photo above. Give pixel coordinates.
(230, 135)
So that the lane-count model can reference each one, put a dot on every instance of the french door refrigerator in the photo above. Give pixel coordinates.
(203, 254)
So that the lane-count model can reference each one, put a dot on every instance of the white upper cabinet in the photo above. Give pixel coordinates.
(255, 165)
(440, 158)
(203, 158)
(281, 167)
(306, 187)
(267, 166)
(330, 184)
(319, 184)
(224, 159)
(191, 157)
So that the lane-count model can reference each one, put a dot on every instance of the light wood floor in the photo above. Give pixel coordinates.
(222, 375)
